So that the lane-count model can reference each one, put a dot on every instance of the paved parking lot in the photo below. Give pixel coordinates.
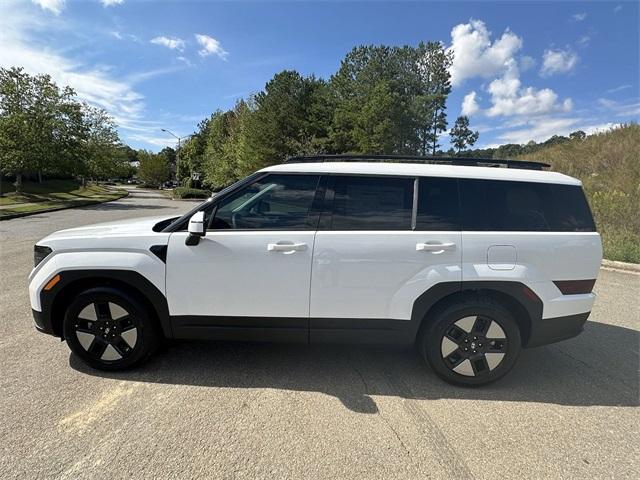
(214, 410)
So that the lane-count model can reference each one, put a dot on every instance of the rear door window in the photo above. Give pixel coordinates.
(370, 203)
(498, 205)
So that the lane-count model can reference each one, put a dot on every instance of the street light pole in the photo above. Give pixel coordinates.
(177, 152)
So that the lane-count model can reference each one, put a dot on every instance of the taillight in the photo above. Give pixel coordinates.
(575, 287)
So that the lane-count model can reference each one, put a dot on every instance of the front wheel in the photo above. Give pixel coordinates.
(472, 342)
(109, 330)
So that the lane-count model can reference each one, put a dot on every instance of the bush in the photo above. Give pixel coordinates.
(608, 164)
(183, 192)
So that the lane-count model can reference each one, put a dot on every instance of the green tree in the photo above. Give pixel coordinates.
(433, 64)
(374, 131)
(45, 130)
(462, 137)
(577, 135)
(192, 156)
(170, 156)
(391, 99)
(154, 169)
(287, 118)
(217, 168)
(18, 145)
(103, 157)
(238, 149)
(369, 75)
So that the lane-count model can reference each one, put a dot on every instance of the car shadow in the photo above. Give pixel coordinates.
(597, 368)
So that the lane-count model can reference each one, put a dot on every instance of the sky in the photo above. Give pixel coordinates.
(522, 70)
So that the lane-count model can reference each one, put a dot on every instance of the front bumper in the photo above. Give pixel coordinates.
(42, 322)
(550, 330)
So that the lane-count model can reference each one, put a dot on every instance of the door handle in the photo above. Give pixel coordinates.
(435, 247)
(286, 247)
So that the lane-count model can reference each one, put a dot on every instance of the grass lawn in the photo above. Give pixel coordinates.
(52, 194)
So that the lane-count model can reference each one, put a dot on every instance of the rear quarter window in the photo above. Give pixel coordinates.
(498, 205)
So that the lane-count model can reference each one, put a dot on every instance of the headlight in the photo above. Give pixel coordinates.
(40, 253)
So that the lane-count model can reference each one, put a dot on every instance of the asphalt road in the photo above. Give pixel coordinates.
(213, 410)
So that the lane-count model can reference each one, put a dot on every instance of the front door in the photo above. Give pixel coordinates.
(251, 272)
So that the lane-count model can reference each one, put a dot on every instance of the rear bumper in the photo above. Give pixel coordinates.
(550, 330)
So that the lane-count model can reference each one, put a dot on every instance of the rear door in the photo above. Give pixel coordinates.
(533, 233)
(382, 242)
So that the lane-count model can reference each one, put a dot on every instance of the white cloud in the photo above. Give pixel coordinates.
(475, 55)
(621, 109)
(97, 85)
(584, 40)
(109, 3)
(527, 63)
(210, 46)
(470, 105)
(619, 88)
(173, 43)
(617, 8)
(140, 77)
(542, 129)
(558, 61)
(509, 98)
(185, 60)
(55, 6)
(154, 140)
(578, 17)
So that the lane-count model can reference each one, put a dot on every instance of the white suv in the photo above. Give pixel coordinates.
(468, 262)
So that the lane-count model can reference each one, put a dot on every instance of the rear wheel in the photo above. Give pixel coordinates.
(109, 330)
(472, 342)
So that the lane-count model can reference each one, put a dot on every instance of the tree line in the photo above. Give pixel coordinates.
(515, 150)
(382, 100)
(46, 130)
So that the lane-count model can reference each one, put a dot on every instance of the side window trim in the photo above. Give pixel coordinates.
(414, 208)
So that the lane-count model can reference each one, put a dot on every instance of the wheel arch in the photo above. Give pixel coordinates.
(134, 284)
(519, 299)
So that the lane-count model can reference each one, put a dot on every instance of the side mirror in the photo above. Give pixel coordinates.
(196, 228)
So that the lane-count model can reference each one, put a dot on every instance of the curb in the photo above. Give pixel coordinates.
(57, 209)
(627, 267)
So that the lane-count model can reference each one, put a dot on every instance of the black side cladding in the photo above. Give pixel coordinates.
(160, 251)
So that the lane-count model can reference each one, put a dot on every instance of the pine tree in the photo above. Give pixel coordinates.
(461, 135)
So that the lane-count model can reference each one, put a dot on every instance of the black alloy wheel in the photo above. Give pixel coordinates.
(109, 330)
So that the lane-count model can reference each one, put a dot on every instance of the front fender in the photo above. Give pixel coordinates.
(144, 263)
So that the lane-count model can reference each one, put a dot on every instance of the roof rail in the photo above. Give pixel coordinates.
(463, 161)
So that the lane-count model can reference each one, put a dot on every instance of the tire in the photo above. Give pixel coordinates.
(471, 342)
(109, 330)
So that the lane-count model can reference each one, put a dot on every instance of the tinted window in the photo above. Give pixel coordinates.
(438, 204)
(275, 202)
(371, 203)
(524, 206)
